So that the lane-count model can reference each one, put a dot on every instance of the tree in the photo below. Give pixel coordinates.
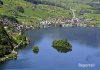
(20, 9)
(1, 3)
(35, 49)
(5, 42)
(62, 46)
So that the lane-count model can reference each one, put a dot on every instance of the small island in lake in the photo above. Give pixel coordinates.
(35, 49)
(62, 46)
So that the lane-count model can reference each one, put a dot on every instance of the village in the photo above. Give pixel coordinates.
(50, 22)
(65, 22)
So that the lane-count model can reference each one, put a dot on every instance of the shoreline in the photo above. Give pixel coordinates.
(62, 27)
(43, 27)
(14, 53)
(25, 43)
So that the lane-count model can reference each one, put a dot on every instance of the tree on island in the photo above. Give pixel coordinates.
(62, 46)
(35, 49)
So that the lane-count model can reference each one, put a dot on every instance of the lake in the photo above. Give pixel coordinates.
(85, 50)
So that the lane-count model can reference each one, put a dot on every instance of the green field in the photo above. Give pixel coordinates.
(31, 14)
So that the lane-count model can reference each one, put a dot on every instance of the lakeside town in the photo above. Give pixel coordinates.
(50, 22)
(65, 22)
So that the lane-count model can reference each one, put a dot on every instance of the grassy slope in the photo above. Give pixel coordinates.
(40, 12)
(79, 5)
(35, 13)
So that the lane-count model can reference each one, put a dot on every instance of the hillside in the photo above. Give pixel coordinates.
(28, 13)
(87, 9)
(31, 12)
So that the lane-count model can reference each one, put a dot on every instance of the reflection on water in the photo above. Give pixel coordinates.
(35, 52)
(81, 35)
(62, 50)
(85, 43)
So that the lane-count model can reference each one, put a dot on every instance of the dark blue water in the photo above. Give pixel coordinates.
(85, 50)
